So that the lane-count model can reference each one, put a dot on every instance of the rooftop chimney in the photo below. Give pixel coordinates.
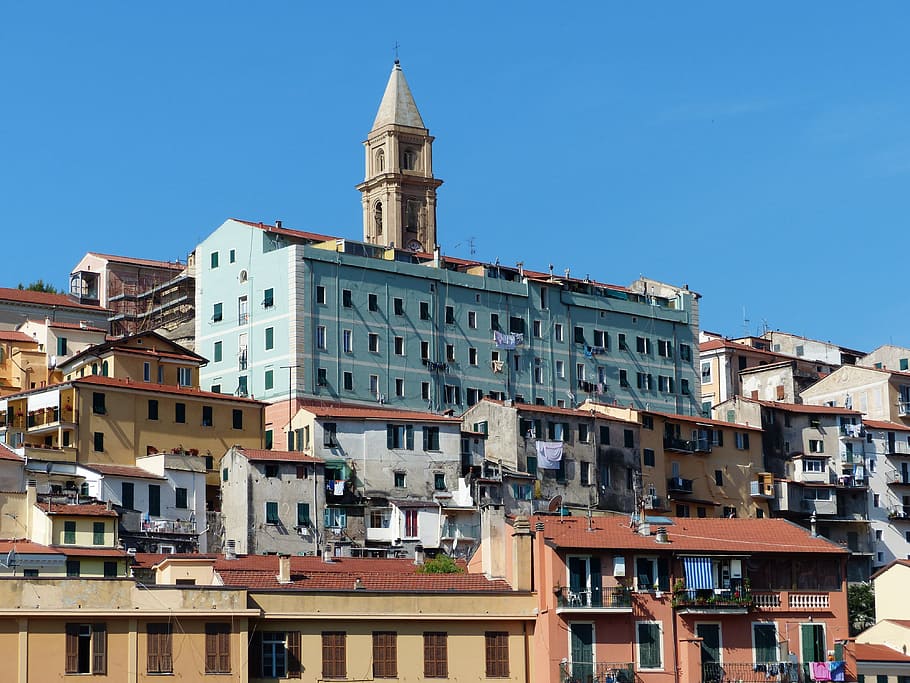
(230, 549)
(284, 569)
(661, 535)
(521, 554)
(278, 223)
(419, 555)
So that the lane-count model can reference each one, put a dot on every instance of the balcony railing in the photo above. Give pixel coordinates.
(599, 672)
(853, 431)
(760, 489)
(781, 601)
(608, 598)
(687, 445)
(749, 672)
(899, 512)
(679, 485)
(898, 478)
(169, 526)
(712, 599)
(903, 408)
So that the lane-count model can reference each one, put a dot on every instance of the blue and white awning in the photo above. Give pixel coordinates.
(699, 573)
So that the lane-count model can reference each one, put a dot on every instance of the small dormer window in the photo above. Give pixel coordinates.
(409, 160)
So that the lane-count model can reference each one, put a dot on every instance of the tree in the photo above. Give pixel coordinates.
(860, 607)
(40, 286)
(441, 564)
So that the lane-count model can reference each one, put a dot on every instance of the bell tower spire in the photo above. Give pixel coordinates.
(399, 190)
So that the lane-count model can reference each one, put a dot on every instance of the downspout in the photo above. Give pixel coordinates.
(524, 632)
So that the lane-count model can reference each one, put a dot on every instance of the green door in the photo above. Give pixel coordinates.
(582, 644)
(710, 642)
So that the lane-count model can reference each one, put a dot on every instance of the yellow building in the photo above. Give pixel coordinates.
(22, 364)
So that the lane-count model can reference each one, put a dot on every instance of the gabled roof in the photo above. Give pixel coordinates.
(376, 575)
(7, 453)
(26, 296)
(157, 388)
(139, 261)
(287, 232)
(74, 326)
(802, 408)
(903, 563)
(84, 510)
(692, 419)
(324, 409)
(16, 337)
(121, 345)
(553, 410)
(128, 471)
(397, 106)
(687, 535)
(887, 426)
(875, 652)
(261, 455)
(23, 546)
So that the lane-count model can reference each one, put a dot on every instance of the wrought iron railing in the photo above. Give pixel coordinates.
(597, 672)
(584, 599)
(749, 672)
(719, 599)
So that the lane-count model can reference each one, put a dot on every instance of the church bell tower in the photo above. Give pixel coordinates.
(399, 190)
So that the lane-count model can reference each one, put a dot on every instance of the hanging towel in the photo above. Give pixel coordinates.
(549, 454)
(820, 671)
(504, 341)
(339, 487)
(836, 669)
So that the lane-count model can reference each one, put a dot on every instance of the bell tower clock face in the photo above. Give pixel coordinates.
(414, 245)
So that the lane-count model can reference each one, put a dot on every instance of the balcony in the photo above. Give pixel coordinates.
(784, 601)
(897, 478)
(903, 408)
(760, 489)
(615, 599)
(853, 431)
(679, 485)
(585, 672)
(382, 534)
(672, 443)
(712, 601)
(169, 526)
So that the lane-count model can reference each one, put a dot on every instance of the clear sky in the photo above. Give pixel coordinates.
(760, 154)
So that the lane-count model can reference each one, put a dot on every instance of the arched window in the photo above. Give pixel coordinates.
(409, 160)
(94, 368)
(412, 215)
(377, 218)
(380, 161)
(104, 368)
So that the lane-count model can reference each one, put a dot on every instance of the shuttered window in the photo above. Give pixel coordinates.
(217, 648)
(648, 636)
(435, 654)
(160, 656)
(293, 645)
(86, 649)
(497, 654)
(385, 654)
(334, 656)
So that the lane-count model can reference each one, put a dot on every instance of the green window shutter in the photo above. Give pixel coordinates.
(303, 514)
(390, 436)
(649, 646)
(409, 435)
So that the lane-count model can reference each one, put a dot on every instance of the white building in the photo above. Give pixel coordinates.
(888, 457)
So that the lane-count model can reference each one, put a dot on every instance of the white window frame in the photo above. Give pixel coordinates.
(593, 637)
(720, 637)
(559, 332)
(320, 337)
(660, 632)
(561, 369)
(776, 639)
(347, 341)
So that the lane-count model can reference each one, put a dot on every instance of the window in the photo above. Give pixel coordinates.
(98, 404)
(400, 480)
(450, 352)
(217, 648)
(213, 259)
(320, 337)
(452, 394)
(497, 654)
(579, 335)
(330, 434)
(684, 387)
(184, 377)
(399, 346)
(269, 338)
(334, 654)
(335, 518)
(628, 438)
(271, 512)
(321, 378)
(69, 532)
(580, 371)
(647, 457)
(400, 436)
(425, 391)
(180, 498)
(398, 306)
(269, 379)
(153, 409)
(876, 500)
(472, 319)
(435, 654)
(268, 298)
(537, 328)
(207, 419)
(516, 325)
(159, 655)
(585, 474)
(399, 387)
(623, 378)
(346, 298)
(813, 465)
(649, 646)
(494, 321)
(742, 441)
(126, 495)
(374, 385)
(303, 515)
(643, 345)
(431, 438)
(816, 446)
(217, 313)
(216, 354)
(61, 346)
(348, 381)
(154, 500)
(373, 342)
(97, 533)
(685, 352)
(558, 332)
(160, 374)
(764, 643)
(706, 372)
(237, 418)
(73, 568)
(385, 654)
(86, 649)
(147, 371)
(98, 442)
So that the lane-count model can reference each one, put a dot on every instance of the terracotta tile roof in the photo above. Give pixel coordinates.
(25, 296)
(85, 510)
(553, 410)
(81, 551)
(261, 455)
(687, 535)
(904, 623)
(75, 326)
(803, 407)
(21, 545)
(345, 410)
(888, 426)
(903, 563)
(299, 234)
(122, 345)
(692, 419)
(140, 261)
(160, 388)
(874, 652)
(122, 471)
(311, 573)
(17, 337)
(7, 453)
(156, 353)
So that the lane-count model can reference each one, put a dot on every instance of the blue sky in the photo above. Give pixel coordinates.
(760, 154)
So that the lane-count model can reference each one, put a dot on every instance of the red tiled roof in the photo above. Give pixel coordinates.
(25, 546)
(701, 420)
(75, 326)
(140, 261)
(260, 455)
(903, 563)
(345, 410)
(160, 388)
(17, 337)
(311, 573)
(874, 652)
(888, 426)
(553, 410)
(688, 535)
(85, 510)
(122, 471)
(25, 296)
(7, 453)
(299, 234)
(157, 353)
(77, 551)
(803, 407)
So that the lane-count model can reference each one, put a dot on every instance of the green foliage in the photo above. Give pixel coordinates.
(441, 564)
(860, 607)
(40, 286)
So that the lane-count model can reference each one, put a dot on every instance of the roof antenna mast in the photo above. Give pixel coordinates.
(395, 49)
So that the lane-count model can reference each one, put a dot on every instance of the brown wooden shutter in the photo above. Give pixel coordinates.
(211, 654)
(255, 655)
(224, 650)
(153, 663)
(293, 654)
(166, 650)
(72, 649)
(99, 649)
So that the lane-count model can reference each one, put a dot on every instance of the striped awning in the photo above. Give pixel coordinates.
(699, 573)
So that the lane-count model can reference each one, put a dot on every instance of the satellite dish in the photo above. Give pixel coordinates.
(554, 504)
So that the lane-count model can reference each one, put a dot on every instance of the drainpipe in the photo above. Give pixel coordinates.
(524, 633)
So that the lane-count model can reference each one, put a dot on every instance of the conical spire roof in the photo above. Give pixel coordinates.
(397, 106)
